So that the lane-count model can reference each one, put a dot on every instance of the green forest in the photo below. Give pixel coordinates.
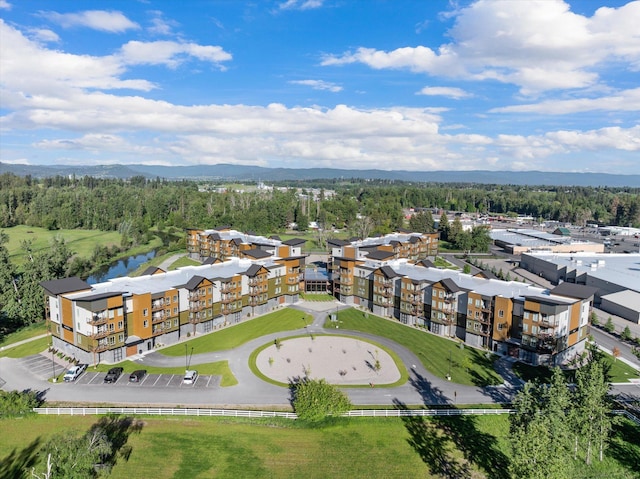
(135, 205)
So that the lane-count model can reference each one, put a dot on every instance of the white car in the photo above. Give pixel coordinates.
(190, 376)
(73, 373)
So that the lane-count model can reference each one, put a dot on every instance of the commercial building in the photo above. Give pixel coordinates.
(517, 241)
(607, 273)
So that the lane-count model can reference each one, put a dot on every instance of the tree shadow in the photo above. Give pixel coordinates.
(17, 464)
(117, 429)
(430, 395)
(500, 394)
(478, 447)
(432, 445)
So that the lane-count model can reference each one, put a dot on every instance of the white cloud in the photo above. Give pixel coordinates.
(455, 93)
(300, 4)
(538, 45)
(318, 85)
(161, 25)
(44, 35)
(171, 53)
(4, 5)
(627, 100)
(105, 21)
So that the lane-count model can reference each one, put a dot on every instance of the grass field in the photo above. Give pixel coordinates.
(228, 338)
(81, 242)
(468, 366)
(385, 448)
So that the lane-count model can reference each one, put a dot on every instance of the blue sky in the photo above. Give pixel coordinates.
(517, 85)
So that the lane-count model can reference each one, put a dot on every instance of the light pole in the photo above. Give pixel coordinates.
(449, 374)
(53, 366)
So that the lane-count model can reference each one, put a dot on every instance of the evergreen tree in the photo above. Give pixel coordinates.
(443, 226)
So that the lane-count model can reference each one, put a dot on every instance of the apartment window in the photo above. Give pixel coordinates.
(111, 340)
(111, 327)
(526, 315)
(145, 324)
(469, 323)
(434, 293)
(209, 290)
(469, 312)
(175, 298)
(112, 314)
(477, 314)
(525, 327)
(145, 312)
(470, 301)
(441, 293)
(120, 324)
(478, 303)
(501, 313)
(534, 329)
(500, 326)
(175, 310)
(121, 338)
(175, 322)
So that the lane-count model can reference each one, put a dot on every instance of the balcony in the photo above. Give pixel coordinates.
(157, 304)
(98, 319)
(102, 333)
(156, 317)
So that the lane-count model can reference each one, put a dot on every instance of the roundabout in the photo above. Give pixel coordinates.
(340, 360)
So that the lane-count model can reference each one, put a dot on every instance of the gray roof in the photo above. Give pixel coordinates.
(388, 272)
(65, 285)
(628, 299)
(294, 241)
(253, 270)
(622, 269)
(380, 254)
(573, 290)
(532, 238)
(256, 253)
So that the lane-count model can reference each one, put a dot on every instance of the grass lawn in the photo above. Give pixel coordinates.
(321, 297)
(385, 448)
(81, 242)
(440, 262)
(184, 261)
(25, 333)
(26, 349)
(468, 365)
(282, 320)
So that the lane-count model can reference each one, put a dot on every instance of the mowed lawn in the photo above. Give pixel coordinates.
(468, 366)
(81, 242)
(385, 448)
(282, 320)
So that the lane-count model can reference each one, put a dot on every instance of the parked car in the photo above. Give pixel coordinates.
(190, 376)
(73, 373)
(137, 376)
(112, 375)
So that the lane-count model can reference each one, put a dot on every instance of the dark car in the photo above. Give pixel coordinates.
(113, 375)
(136, 376)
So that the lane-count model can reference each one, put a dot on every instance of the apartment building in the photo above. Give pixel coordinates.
(343, 255)
(535, 325)
(125, 316)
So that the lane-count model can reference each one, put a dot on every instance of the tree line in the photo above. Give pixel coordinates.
(137, 204)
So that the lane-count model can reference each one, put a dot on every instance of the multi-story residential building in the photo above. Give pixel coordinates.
(125, 316)
(527, 322)
(344, 254)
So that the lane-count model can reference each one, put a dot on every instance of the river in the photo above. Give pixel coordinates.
(121, 268)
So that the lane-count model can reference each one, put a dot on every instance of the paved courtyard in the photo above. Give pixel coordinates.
(339, 360)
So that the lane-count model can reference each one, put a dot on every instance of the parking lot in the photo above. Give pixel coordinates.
(43, 367)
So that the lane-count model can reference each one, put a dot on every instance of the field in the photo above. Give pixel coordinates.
(81, 242)
(385, 448)
(439, 355)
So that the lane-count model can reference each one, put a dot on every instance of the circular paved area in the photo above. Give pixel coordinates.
(337, 359)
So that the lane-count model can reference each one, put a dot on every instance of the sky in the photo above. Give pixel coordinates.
(507, 85)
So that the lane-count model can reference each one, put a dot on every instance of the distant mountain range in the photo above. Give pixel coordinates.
(227, 172)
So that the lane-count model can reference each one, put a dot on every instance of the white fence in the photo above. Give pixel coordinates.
(154, 411)
(149, 411)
